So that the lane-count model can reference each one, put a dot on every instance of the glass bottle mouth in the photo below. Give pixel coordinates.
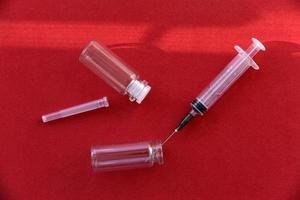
(156, 152)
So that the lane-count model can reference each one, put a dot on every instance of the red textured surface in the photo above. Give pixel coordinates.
(246, 147)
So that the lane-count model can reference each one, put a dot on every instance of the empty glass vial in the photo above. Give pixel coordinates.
(126, 156)
(105, 64)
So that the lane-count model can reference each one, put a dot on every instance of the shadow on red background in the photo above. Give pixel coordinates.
(159, 15)
(188, 12)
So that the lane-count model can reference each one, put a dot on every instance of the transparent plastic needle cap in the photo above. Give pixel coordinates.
(74, 110)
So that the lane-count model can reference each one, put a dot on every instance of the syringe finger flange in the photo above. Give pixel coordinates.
(251, 62)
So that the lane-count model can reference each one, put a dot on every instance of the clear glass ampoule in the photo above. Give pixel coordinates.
(126, 156)
(105, 64)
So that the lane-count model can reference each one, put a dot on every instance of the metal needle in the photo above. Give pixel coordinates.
(169, 137)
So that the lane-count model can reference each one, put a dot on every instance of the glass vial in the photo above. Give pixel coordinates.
(126, 156)
(109, 67)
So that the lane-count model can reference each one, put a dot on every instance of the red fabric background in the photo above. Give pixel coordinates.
(246, 147)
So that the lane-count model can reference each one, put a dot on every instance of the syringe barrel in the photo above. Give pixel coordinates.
(227, 77)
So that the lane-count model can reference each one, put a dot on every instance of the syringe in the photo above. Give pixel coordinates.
(240, 63)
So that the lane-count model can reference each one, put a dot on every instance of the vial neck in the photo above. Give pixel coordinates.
(156, 153)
